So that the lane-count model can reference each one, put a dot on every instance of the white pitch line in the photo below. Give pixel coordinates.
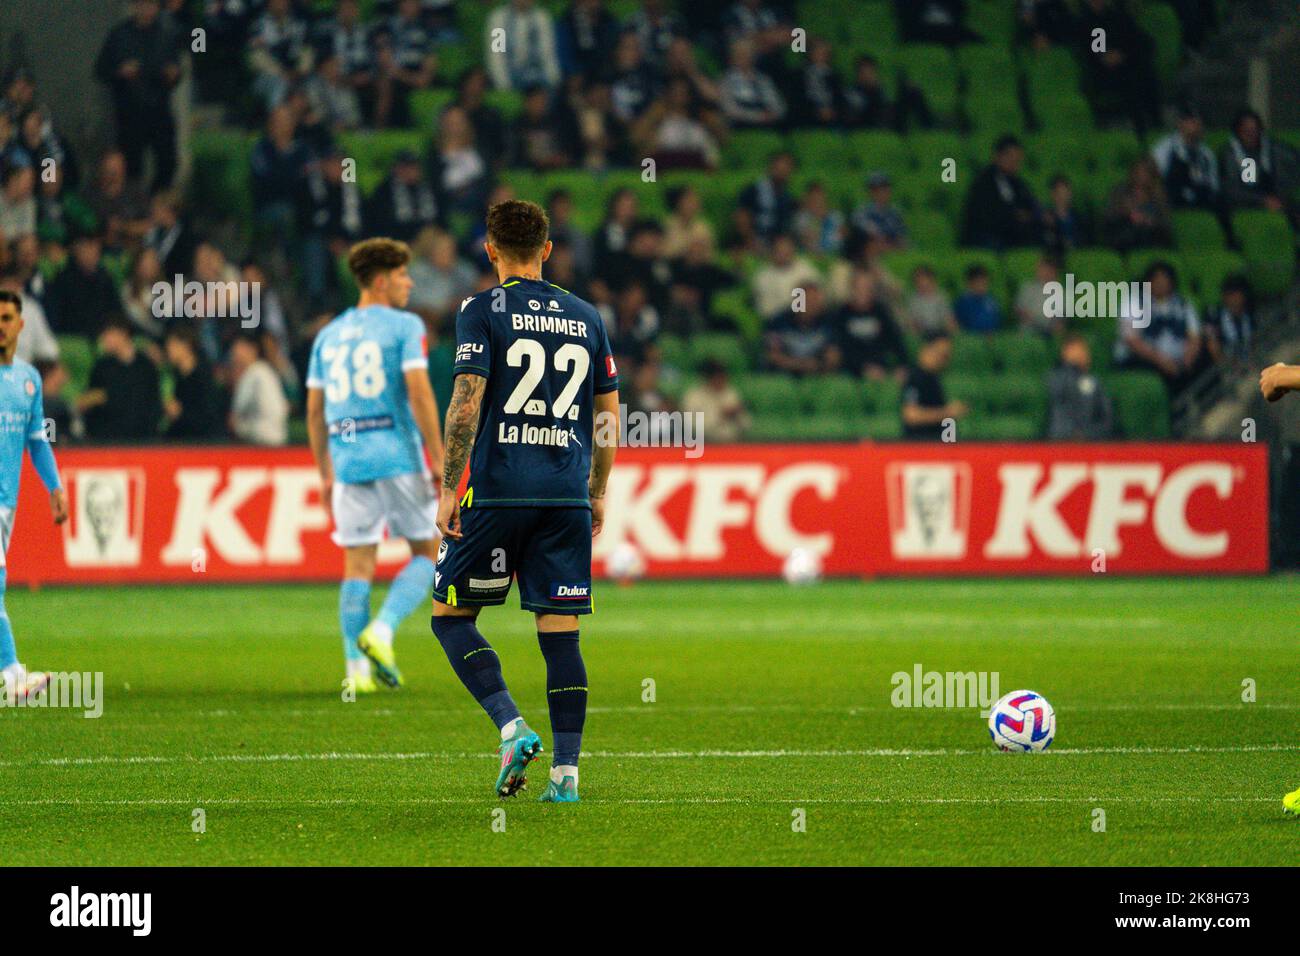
(623, 755)
(651, 801)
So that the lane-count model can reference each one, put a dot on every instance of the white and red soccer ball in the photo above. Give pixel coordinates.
(1022, 722)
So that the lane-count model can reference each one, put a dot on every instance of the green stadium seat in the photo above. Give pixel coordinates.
(932, 147)
(881, 396)
(986, 69)
(1067, 112)
(1019, 265)
(883, 426)
(1052, 151)
(1197, 229)
(1269, 247)
(1139, 260)
(833, 395)
(771, 427)
(78, 357)
(1141, 404)
(721, 346)
(1114, 149)
(509, 102)
(674, 352)
(749, 149)
(734, 305)
(1049, 71)
(1161, 23)
(971, 355)
(931, 68)
(991, 427)
(1207, 270)
(770, 395)
(821, 149)
(427, 106)
(967, 387)
(375, 150)
(1020, 352)
(877, 149)
(832, 426)
(871, 23)
(1096, 265)
(455, 58)
(1018, 393)
(931, 230)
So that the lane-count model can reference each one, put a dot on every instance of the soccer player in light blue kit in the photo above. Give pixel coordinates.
(371, 415)
(22, 425)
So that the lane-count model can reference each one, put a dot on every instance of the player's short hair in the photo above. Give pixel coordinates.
(518, 229)
(370, 257)
(13, 298)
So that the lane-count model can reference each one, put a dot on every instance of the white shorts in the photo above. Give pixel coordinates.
(406, 504)
(6, 531)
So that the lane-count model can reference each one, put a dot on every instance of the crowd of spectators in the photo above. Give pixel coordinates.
(88, 245)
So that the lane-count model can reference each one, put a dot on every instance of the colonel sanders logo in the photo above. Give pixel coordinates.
(929, 509)
(107, 511)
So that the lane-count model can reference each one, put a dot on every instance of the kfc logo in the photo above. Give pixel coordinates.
(929, 509)
(107, 517)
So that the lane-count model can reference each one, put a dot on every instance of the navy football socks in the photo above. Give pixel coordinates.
(477, 666)
(566, 693)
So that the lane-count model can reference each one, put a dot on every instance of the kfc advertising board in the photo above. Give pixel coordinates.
(244, 514)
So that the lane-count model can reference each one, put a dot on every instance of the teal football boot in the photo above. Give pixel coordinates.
(566, 791)
(516, 754)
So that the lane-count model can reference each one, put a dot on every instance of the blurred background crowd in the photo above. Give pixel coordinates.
(827, 219)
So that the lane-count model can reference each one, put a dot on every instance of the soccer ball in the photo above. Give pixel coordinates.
(801, 567)
(1021, 722)
(625, 563)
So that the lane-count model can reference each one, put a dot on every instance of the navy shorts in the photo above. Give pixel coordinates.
(547, 549)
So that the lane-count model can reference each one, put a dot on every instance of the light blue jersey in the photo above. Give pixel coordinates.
(360, 360)
(22, 421)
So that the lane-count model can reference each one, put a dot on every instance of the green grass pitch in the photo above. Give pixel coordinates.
(768, 700)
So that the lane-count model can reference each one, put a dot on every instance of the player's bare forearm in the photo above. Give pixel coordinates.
(462, 424)
(1276, 380)
(318, 435)
(604, 443)
(424, 409)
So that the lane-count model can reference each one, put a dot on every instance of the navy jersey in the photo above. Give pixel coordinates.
(545, 355)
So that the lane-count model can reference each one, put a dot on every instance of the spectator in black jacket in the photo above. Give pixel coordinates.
(1001, 211)
(1187, 166)
(140, 64)
(1274, 167)
(1122, 76)
(870, 341)
(83, 292)
(194, 410)
(1080, 409)
(123, 402)
(822, 95)
(770, 199)
(489, 126)
(280, 161)
(331, 216)
(405, 202)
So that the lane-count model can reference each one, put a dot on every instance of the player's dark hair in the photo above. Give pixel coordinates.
(13, 298)
(370, 257)
(518, 229)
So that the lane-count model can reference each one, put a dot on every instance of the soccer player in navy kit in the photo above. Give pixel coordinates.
(534, 412)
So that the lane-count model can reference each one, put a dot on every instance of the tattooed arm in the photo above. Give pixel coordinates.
(458, 440)
(603, 447)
